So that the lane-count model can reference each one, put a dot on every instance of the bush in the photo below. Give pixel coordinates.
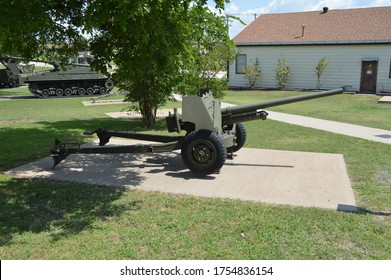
(252, 73)
(319, 69)
(282, 73)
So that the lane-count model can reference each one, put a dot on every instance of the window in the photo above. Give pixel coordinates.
(241, 62)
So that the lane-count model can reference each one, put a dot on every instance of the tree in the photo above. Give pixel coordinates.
(211, 51)
(319, 69)
(252, 73)
(41, 28)
(282, 73)
(149, 41)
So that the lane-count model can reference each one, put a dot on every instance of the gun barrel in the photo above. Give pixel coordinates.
(242, 109)
(244, 117)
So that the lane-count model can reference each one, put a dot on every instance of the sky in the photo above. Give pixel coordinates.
(247, 10)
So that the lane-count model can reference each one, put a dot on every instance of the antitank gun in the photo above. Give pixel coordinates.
(212, 133)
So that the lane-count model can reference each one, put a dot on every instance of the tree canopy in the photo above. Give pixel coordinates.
(150, 42)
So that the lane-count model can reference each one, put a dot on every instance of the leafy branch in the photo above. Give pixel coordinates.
(319, 69)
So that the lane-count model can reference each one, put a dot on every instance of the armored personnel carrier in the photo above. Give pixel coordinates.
(70, 80)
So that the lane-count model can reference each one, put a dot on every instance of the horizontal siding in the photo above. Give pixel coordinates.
(344, 65)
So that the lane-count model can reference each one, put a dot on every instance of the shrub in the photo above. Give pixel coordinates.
(319, 69)
(282, 73)
(252, 73)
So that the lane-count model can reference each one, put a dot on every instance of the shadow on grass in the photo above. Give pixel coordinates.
(360, 210)
(375, 213)
(60, 208)
(63, 209)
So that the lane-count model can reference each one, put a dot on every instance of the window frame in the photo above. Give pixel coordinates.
(389, 75)
(243, 63)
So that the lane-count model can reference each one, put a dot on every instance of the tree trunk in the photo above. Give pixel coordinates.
(318, 84)
(148, 110)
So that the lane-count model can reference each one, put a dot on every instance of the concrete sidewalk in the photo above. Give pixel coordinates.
(372, 134)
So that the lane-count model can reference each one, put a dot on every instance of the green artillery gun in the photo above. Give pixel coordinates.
(212, 133)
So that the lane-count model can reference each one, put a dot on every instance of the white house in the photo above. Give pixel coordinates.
(355, 42)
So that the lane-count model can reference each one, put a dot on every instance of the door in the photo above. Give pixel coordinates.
(368, 77)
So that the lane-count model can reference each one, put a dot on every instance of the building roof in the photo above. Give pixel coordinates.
(366, 25)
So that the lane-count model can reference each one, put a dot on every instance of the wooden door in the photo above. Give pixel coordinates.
(368, 77)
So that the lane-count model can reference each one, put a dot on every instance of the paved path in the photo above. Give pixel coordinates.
(372, 134)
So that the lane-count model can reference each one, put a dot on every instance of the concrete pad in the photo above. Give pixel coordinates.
(385, 99)
(277, 177)
(134, 114)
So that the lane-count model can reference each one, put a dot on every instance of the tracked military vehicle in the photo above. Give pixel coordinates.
(70, 80)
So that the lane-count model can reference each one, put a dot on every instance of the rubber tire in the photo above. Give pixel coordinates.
(241, 137)
(212, 152)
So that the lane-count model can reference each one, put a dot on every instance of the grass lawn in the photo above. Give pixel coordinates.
(42, 219)
(14, 92)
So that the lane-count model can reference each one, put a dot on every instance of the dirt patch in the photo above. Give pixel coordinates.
(383, 177)
(103, 102)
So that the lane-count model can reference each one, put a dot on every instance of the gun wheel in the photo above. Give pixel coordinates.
(241, 136)
(203, 152)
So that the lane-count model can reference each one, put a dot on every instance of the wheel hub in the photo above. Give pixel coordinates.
(201, 153)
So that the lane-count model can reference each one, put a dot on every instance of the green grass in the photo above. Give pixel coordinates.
(42, 219)
(14, 92)
(72, 221)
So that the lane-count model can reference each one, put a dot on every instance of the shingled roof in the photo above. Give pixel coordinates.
(366, 25)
